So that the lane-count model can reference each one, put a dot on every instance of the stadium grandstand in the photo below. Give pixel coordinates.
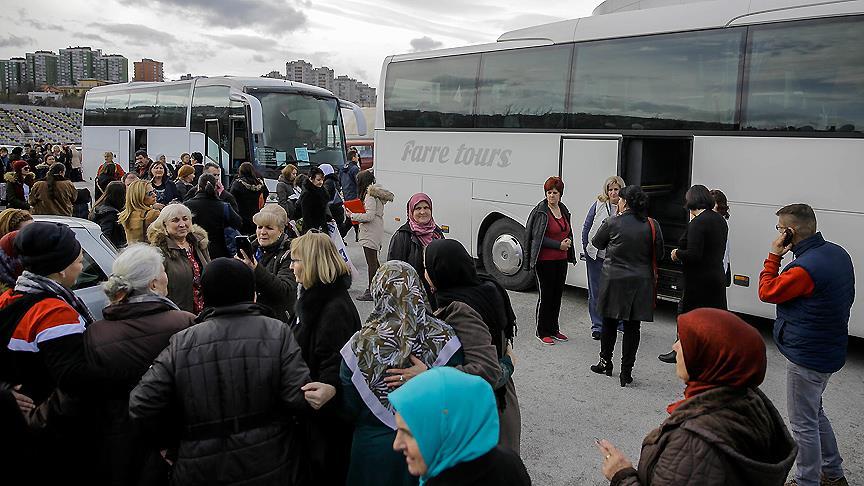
(20, 124)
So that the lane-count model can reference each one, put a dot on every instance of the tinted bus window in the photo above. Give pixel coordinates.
(524, 88)
(171, 105)
(806, 76)
(676, 81)
(94, 110)
(142, 108)
(209, 102)
(433, 93)
(115, 109)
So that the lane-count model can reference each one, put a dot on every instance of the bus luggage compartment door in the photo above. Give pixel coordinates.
(585, 162)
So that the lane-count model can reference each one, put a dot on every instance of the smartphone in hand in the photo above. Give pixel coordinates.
(243, 244)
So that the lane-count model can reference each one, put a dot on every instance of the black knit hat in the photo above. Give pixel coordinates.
(47, 248)
(227, 281)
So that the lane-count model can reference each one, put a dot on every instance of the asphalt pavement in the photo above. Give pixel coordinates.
(564, 405)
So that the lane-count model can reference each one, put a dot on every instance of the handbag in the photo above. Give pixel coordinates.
(229, 232)
(655, 273)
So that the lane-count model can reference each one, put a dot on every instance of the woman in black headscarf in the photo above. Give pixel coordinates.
(451, 273)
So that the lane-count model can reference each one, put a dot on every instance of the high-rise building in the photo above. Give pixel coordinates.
(345, 87)
(300, 71)
(16, 74)
(273, 75)
(77, 63)
(115, 68)
(148, 70)
(41, 67)
(323, 77)
(366, 95)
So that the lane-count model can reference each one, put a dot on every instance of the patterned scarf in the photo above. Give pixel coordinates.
(398, 327)
(30, 283)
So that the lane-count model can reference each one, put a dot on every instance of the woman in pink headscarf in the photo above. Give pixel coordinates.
(411, 239)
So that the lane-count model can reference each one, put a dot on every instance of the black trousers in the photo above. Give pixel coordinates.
(629, 344)
(551, 275)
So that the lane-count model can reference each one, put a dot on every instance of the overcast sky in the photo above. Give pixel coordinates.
(253, 37)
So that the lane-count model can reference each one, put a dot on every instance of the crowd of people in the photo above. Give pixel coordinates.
(231, 351)
(38, 178)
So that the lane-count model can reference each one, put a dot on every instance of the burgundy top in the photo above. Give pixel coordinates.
(557, 229)
(197, 298)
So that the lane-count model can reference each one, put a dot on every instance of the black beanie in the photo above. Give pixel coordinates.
(46, 248)
(227, 281)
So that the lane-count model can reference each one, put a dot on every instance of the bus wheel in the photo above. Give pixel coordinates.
(503, 255)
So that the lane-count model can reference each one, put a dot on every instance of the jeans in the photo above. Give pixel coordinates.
(817, 446)
(551, 275)
(595, 276)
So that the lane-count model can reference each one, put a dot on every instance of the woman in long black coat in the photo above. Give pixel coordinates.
(701, 251)
(633, 244)
(250, 192)
(312, 203)
(213, 214)
(326, 320)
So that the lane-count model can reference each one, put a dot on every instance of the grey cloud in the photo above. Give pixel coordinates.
(243, 41)
(41, 26)
(15, 41)
(95, 37)
(276, 16)
(259, 58)
(424, 43)
(136, 34)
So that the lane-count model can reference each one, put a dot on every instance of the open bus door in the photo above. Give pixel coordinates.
(124, 152)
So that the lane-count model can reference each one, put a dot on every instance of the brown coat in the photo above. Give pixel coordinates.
(137, 224)
(60, 205)
(722, 437)
(481, 359)
(177, 265)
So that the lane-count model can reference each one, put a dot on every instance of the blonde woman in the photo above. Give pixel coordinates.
(605, 206)
(139, 212)
(184, 246)
(326, 320)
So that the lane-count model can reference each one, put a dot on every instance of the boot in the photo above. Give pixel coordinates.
(603, 367)
(626, 377)
(668, 357)
(366, 297)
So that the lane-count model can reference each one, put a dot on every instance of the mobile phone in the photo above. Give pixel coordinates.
(243, 244)
(787, 237)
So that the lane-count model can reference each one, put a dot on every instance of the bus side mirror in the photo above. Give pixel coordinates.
(256, 115)
(358, 115)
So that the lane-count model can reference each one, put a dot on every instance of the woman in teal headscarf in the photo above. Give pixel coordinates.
(398, 333)
(447, 428)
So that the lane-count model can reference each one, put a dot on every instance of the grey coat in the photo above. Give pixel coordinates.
(627, 291)
(535, 234)
(481, 359)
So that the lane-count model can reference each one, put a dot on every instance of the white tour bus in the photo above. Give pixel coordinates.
(763, 99)
(230, 120)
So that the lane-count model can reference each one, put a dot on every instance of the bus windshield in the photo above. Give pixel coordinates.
(300, 129)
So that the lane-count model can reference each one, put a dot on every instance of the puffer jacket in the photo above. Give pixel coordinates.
(722, 437)
(274, 279)
(535, 231)
(177, 265)
(372, 221)
(106, 217)
(238, 423)
(248, 194)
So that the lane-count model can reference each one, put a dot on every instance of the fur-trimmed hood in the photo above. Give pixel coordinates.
(378, 192)
(158, 237)
(11, 177)
(256, 187)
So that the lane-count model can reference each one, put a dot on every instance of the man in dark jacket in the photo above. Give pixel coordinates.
(221, 193)
(213, 214)
(348, 176)
(814, 296)
(234, 381)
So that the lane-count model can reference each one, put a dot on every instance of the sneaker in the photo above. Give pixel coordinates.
(841, 481)
(595, 335)
(546, 340)
(560, 337)
(366, 297)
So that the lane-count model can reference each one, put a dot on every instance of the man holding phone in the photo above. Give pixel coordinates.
(814, 295)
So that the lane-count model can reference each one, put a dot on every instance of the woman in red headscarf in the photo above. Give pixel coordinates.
(411, 239)
(725, 431)
(18, 183)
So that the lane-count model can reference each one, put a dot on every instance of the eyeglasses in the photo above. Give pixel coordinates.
(151, 193)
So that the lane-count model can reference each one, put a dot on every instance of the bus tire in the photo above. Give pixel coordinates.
(502, 255)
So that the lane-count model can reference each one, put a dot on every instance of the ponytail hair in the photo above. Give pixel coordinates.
(636, 199)
(55, 174)
(207, 184)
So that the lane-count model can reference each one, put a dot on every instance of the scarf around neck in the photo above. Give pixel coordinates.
(398, 327)
(425, 232)
(31, 283)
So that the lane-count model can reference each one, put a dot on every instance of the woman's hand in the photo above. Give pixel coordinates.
(400, 376)
(25, 403)
(566, 244)
(509, 352)
(318, 394)
(158, 206)
(613, 459)
(243, 257)
(674, 255)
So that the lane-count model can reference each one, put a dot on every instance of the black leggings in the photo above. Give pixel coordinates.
(629, 344)
(371, 263)
(551, 275)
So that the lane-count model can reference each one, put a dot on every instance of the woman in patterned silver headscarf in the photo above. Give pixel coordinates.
(400, 334)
